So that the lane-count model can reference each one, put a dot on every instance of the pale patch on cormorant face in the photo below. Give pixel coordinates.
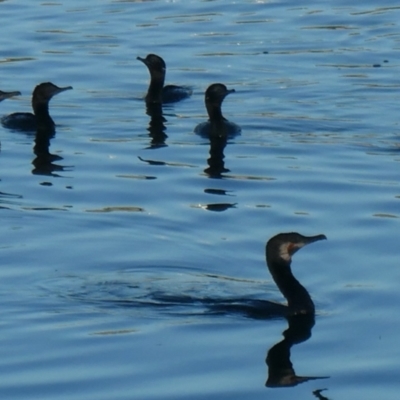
(287, 249)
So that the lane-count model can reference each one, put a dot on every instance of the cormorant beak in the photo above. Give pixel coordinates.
(55, 90)
(312, 239)
(143, 60)
(7, 95)
(295, 246)
(229, 91)
(63, 89)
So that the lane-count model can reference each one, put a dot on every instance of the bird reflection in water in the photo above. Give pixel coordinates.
(44, 161)
(301, 309)
(156, 127)
(318, 395)
(280, 369)
(216, 163)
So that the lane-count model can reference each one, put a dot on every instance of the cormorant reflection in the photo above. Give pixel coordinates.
(301, 309)
(280, 369)
(44, 161)
(216, 164)
(318, 395)
(156, 125)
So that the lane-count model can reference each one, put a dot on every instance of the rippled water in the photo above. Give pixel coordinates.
(133, 263)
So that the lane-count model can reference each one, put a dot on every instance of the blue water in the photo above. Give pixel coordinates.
(119, 258)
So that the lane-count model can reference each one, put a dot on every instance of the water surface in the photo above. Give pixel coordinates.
(130, 260)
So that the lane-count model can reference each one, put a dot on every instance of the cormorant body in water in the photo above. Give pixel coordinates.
(301, 315)
(157, 92)
(40, 119)
(279, 251)
(217, 125)
(7, 95)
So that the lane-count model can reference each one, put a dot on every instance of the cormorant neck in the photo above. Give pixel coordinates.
(297, 296)
(154, 92)
(41, 111)
(214, 112)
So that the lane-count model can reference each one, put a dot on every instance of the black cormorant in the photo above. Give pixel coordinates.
(279, 251)
(157, 92)
(40, 118)
(216, 125)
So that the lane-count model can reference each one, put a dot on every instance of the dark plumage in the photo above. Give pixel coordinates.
(157, 93)
(40, 118)
(279, 251)
(216, 124)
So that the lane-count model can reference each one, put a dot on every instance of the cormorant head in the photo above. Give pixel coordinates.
(7, 95)
(45, 91)
(155, 64)
(284, 245)
(216, 93)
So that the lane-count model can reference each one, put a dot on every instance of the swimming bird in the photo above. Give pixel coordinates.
(279, 251)
(7, 95)
(217, 124)
(157, 92)
(40, 119)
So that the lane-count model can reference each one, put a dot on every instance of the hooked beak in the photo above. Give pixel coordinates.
(305, 240)
(143, 60)
(63, 89)
(312, 239)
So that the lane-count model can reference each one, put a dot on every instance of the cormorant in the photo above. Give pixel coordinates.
(40, 119)
(217, 124)
(279, 251)
(157, 92)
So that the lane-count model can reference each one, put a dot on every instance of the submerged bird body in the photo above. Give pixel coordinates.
(40, 118)
(157, 93)
(216, 124)
(7, 95)
(279, 252)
